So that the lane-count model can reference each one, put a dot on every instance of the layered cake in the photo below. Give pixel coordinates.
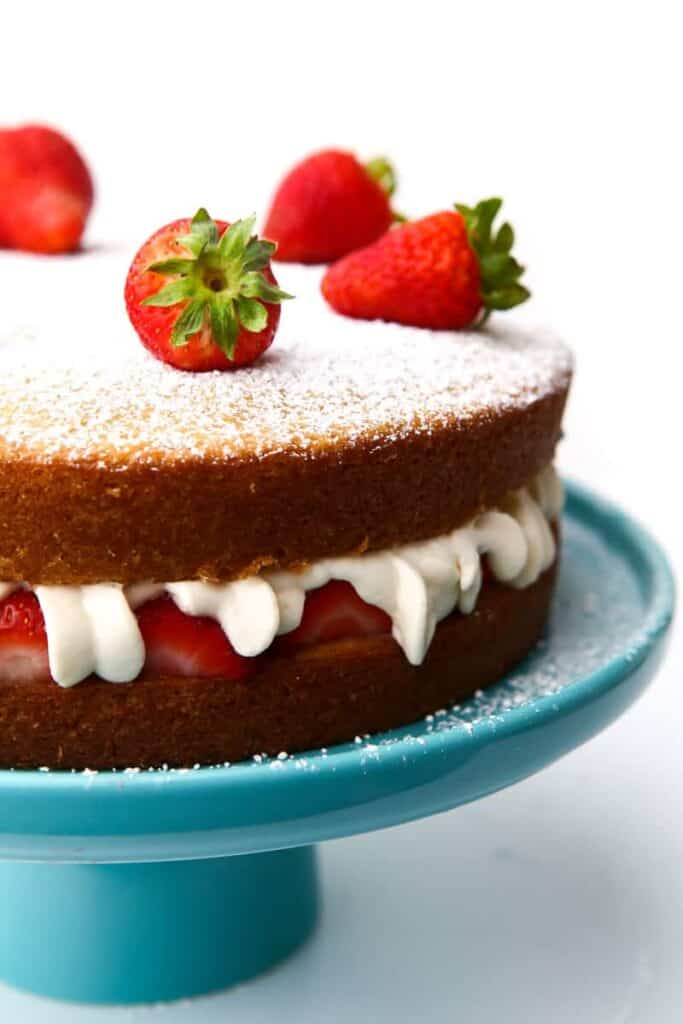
(348, 533)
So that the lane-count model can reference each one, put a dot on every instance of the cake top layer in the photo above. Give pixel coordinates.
(76, 384)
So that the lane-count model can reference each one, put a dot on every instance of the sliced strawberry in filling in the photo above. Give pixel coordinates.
(186, 645)
(334, 612)
(177, 644)
(23, 643)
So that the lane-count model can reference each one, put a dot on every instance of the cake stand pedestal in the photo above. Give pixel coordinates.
(146, 932)
(139, 886)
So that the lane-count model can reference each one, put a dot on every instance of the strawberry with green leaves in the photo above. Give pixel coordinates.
(201, 294)
(446, 271)
(329, 205)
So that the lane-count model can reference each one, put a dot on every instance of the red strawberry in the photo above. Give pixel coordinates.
(45, 188)
(334, 612)
(23, 644)
(187, 645)
(329, 205)
(221, 307)
(445, 271)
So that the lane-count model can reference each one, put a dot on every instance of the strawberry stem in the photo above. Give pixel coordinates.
(500, 272)
(221, 282)
(382, 171)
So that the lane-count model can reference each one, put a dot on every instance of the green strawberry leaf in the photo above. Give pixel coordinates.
(171, 293)
(506, 298)
(194, 243)
(176, 265)
(255, 286)
(204, 226)
(233, 244)
(203, 232)
(492, 264)
(381, 171)
(505, 239)
(224, 326)
(190, 321)
(252, 315)
(258, 253)
(500, 271)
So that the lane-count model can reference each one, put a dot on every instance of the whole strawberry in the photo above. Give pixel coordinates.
(329, 205)
(446, 271)
(221, 307)
(46, 191)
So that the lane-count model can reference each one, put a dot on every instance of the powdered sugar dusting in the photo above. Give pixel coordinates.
(76, 384)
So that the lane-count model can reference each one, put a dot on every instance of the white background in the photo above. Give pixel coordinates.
(562, 899)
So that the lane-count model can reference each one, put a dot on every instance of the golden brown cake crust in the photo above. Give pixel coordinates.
(325, 695)
(66, 522)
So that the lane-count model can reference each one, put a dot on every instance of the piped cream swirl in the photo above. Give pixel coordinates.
(92, 629)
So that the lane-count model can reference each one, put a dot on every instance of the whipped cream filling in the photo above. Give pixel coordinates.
(92, 629)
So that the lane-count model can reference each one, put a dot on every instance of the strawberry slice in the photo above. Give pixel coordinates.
(334, 612)
(187, 645)
(23, 643)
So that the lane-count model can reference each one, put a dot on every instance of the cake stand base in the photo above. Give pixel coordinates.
(127, 933)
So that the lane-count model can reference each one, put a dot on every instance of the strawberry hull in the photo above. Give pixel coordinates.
(201, 294)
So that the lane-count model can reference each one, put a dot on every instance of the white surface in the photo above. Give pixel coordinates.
(561, 899)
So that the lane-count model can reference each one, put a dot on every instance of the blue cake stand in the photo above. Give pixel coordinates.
(134, 886)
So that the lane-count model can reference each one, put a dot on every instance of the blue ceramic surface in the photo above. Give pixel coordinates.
(604, 642)
(130, 933)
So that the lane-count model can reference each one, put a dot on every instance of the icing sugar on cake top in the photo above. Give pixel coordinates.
(76, 384)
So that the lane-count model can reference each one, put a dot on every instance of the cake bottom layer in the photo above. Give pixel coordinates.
(316, 697)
